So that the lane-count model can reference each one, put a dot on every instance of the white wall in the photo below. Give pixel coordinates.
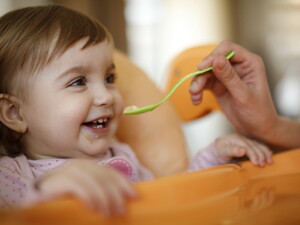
(159, 29)
(5, 5)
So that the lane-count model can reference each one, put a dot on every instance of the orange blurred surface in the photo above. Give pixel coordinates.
(228, 194)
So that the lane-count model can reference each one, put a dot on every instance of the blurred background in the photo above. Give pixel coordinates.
(151, 32)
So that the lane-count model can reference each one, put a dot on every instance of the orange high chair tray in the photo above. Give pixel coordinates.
(227, 194)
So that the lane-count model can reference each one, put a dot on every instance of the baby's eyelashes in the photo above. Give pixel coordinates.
(110, 78)
(78, 82)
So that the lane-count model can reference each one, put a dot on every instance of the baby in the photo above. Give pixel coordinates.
(59, 111)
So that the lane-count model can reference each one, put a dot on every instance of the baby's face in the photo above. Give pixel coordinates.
(73, 106)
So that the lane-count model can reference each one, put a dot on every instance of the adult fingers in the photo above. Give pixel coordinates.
(196, 88)
(225, 73)
(200, 82)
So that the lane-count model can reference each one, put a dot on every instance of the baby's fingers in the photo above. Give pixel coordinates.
(253, 156)
(258, 154)
(119, 190)
(116, 190)
(84, 189)
(126, 186)
(107, 198)
(92, 195)
(265, 152)
(117, 200)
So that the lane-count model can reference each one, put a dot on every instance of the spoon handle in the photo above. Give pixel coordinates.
(137, 110)
(228, 56)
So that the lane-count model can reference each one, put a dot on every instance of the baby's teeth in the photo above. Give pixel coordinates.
(100, 126)
(102, 120)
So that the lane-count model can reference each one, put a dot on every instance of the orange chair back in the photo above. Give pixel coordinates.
(183, 64)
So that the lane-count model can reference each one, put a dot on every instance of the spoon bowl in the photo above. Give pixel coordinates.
(132, 110)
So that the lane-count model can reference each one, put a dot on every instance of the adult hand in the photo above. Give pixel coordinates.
(241, 88)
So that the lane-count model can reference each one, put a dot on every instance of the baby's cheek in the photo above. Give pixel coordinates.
(119, 105)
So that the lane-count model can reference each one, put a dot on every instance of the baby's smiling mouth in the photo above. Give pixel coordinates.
(100, 123)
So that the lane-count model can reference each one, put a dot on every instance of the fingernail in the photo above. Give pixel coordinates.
(194, 85)
(254, 161)
(221, 63)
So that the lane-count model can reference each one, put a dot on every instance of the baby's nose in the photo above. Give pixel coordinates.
(103, 97)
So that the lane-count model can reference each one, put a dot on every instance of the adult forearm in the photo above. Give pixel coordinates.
(285, 134)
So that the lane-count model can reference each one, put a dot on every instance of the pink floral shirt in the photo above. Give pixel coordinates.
(18, 175)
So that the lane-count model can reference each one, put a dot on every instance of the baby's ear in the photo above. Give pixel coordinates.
(10, 113)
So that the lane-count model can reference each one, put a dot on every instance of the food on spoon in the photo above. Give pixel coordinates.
(130, 108)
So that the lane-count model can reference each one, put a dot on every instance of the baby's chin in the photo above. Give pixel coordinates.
(94, 147)
(90, 153)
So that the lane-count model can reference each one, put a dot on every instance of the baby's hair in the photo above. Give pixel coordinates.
(30, 38)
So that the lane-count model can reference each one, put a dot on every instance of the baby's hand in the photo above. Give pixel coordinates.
(101, 188)
(234, 145)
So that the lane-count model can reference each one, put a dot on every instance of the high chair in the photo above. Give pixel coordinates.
(229, 194)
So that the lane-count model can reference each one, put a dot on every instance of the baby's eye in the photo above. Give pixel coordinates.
(110, 78)
(78, 82)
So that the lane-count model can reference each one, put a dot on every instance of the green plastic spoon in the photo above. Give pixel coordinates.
(132, 110)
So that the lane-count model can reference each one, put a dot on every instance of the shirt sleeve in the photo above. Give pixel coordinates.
(17, 183)
(206, 158)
